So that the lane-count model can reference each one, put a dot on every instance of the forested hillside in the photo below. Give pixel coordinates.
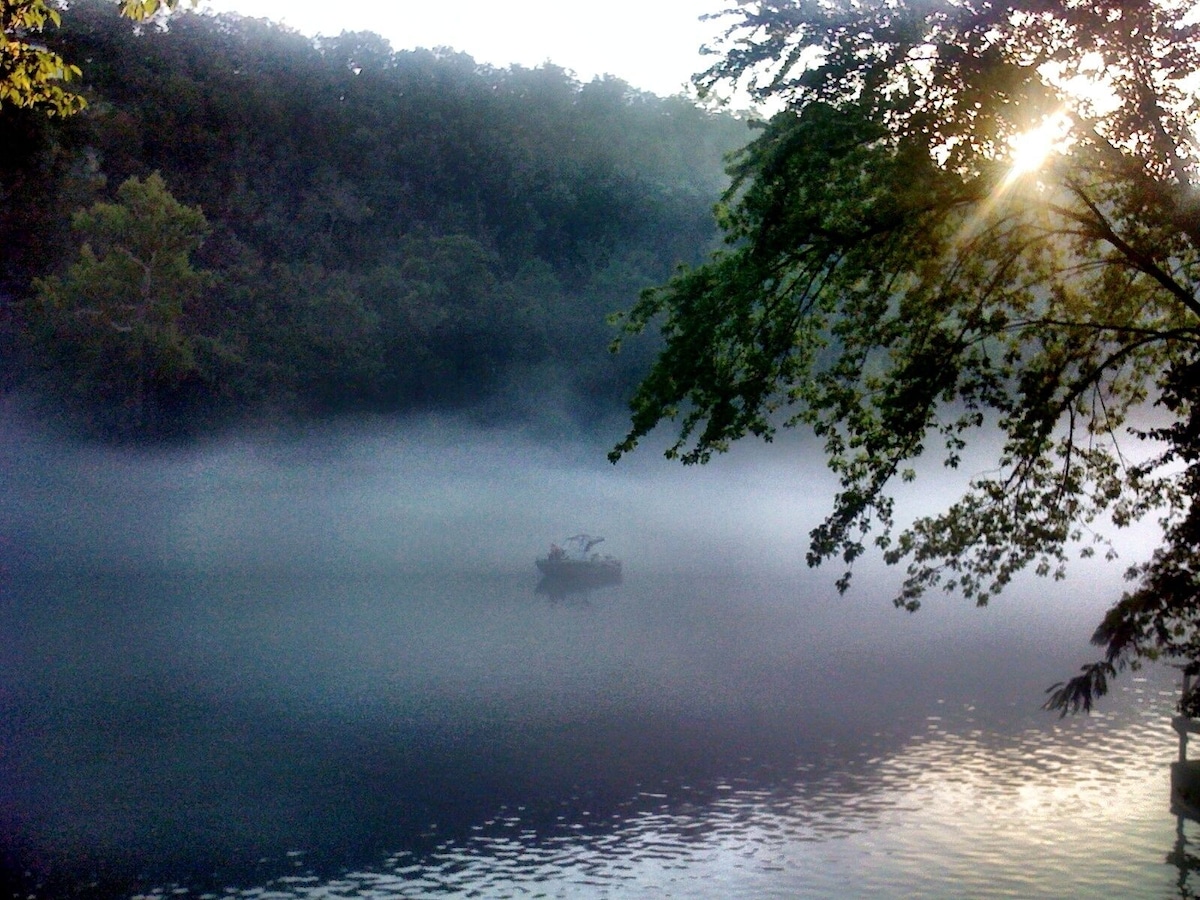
(247, 225)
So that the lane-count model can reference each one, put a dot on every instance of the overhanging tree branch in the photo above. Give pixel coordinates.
(1009, 304)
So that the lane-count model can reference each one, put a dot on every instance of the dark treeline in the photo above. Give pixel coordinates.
(247, 224)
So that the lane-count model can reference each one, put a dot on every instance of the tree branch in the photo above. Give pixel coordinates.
(1142, 261)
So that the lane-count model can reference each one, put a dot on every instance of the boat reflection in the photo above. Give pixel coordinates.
(576, 588)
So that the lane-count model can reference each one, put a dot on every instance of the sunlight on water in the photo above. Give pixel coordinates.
(1070, 809)
(950, 817)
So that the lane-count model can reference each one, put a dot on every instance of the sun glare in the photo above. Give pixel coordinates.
(1029, 150)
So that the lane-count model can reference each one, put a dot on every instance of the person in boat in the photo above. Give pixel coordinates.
(556, 552)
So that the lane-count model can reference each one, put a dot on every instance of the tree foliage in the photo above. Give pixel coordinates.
(121, 324)
(387, 230)
(31, 75)
(903, 271)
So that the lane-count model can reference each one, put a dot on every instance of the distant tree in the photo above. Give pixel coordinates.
(968, 217)
(315, 346)
(450, 332)
(116, 324)
(31, 75)
(388, 229)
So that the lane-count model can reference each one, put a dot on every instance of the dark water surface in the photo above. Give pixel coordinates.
(242, 673)
(226, 736)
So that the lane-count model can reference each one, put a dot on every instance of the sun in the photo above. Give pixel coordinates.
(1029, 150)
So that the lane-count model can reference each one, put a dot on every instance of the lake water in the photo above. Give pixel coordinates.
(221, 676)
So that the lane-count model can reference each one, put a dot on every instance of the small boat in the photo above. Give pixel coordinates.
(575, 561)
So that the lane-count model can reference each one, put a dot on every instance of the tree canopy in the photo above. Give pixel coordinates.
(968, 219)
(32, 75)
(386, 230)
(123, 320)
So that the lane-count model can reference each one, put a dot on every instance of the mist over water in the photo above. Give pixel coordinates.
(226, 665)
(431, 497)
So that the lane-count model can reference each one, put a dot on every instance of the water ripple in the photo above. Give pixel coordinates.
(1076, 808)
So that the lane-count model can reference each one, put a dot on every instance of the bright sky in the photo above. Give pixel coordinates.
(652, 44)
